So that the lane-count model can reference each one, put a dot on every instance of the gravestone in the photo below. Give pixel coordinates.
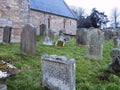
(42, 29)
(115, 65)
(7, 34)
(28, 40)
(116, 41)
(48, 37)
(95, 40)
(81, 36)
(58, 72)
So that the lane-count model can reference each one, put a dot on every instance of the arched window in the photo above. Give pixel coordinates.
(48, 22)
(64, 21)
(70, 22)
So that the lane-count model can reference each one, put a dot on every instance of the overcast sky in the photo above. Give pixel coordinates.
(101, 5)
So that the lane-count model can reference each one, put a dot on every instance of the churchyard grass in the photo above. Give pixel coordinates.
(87, 70)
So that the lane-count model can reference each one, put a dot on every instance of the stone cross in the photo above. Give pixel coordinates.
(48, 37)
(61, 40)
(58, 72)
(95, 40)
(28, 40)
(115, 65)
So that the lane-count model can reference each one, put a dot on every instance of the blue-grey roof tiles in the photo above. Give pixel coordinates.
(57, 7)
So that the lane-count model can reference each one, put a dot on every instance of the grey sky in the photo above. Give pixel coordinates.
(101, 5)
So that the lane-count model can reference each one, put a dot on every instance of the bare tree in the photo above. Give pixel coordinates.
(114, 17)
(80, 14)
(78, 11)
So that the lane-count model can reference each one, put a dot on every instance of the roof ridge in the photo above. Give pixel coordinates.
(58, 7)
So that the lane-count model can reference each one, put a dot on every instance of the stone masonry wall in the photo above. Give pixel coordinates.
(56, 22)
(16, 13)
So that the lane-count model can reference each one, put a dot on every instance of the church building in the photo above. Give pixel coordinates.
(55, 14)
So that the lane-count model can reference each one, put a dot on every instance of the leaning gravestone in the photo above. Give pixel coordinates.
(28, 40)
(42, 29)
(58, 72)
(95, 43)
(7, 34)
(81, 36)
(115, 65)
(48, 37)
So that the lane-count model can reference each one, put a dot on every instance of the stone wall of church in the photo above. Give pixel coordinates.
(56, 22)
(16, 13)
(13, 13)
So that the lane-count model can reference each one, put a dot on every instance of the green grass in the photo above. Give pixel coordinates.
(87, 70)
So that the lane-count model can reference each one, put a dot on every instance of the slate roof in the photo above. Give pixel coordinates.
(57, 7)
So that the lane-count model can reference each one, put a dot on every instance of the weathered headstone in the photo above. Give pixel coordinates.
(95, 43)
(58, 72)
(28, 40)
(48, 37)
(42, 29)
(7, 34)
(115, 65)
(116, 41)
(81, 36)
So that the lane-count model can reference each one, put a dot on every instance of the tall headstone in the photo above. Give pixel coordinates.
(48, 37)
(58, 72)
(81, 36)
(7, 34)
(95, 43)
(115, 65)
(28, 40)
(42, 29)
